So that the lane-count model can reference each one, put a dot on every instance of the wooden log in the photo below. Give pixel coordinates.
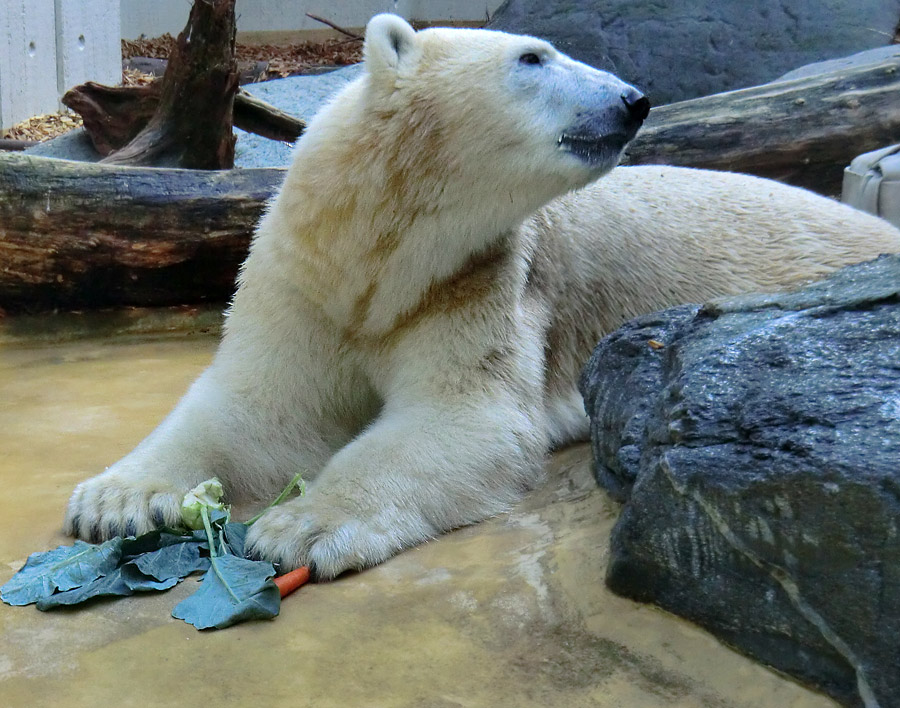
(14, 144)
(113, 115)
(76, 235)
(803, 132)
(257, 116)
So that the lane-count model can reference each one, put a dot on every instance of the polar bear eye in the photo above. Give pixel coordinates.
(529, 58)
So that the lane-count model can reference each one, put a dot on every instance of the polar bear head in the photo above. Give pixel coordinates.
(517, 91)
(469, 118)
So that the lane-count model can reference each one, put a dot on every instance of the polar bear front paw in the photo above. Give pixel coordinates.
(328, 538)
(118, 504)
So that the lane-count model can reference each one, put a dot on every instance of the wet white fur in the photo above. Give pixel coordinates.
(405, 340)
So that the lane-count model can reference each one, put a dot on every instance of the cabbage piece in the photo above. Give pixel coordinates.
(206, 494)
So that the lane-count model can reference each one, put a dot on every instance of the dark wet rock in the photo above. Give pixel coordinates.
(682, 49)
(755, 442)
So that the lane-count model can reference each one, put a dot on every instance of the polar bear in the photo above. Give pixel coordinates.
(411, 320)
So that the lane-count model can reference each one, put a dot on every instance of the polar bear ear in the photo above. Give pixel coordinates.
(390, 43)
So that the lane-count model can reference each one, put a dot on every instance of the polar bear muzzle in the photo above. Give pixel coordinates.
(600, 136)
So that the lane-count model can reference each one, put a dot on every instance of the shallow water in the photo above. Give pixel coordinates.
(512, 612)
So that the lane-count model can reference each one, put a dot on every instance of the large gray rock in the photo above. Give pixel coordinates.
(686, 48)
(756, 443)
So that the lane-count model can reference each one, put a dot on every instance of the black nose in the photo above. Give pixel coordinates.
(638, 105)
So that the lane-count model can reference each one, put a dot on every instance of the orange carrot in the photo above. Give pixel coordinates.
(289, 582)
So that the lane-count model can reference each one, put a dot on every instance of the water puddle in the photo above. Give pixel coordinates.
(512, 612)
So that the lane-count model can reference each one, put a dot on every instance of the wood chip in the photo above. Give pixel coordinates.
(43, 127)
(284, 60)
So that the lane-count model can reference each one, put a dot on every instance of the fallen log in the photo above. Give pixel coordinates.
(14, 144)
(76, 235)
(803, 132)
(254, 115)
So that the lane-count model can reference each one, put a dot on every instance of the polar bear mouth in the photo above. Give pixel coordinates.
(591, 148)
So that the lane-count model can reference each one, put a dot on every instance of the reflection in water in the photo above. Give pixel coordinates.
(512, 612)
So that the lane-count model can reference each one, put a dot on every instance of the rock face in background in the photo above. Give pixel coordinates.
(756, 444)
(843, 64)
(687, 48)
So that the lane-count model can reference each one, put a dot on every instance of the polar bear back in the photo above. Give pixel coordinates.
(648, 237)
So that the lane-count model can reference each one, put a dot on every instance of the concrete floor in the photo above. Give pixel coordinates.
(512, 612)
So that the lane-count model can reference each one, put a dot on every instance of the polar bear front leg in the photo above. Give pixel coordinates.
(213, 431)
(415, 473)
(144, 489)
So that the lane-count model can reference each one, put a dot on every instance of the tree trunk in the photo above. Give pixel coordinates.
(803, 132)
(192, 125)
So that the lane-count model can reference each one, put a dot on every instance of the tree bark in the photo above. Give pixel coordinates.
(803, 132)
(113, 115)
(256, 116)
(76, 235)
(14, 144)
(192, 125)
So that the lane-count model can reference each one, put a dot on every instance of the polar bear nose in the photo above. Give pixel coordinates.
(638, 104)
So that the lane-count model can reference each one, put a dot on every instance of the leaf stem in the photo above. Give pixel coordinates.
(281, 497)
(213, 554)
(204, 514)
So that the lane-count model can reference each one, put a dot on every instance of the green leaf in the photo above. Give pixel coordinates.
(219, 517)
(235, 538)
(174, 561)
(63, 568)
(142, 582)
(159, 538)
(124, 580)
(235, 589)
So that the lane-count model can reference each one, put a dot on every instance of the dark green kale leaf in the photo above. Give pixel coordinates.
(72, 574)
(125, 580)
(233, 590)
(160, 538)
(63, 568)
(174, 561)
(235, 538)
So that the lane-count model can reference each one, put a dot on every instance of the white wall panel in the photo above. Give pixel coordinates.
(27, 59)
(88, 47)
(155, 18)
